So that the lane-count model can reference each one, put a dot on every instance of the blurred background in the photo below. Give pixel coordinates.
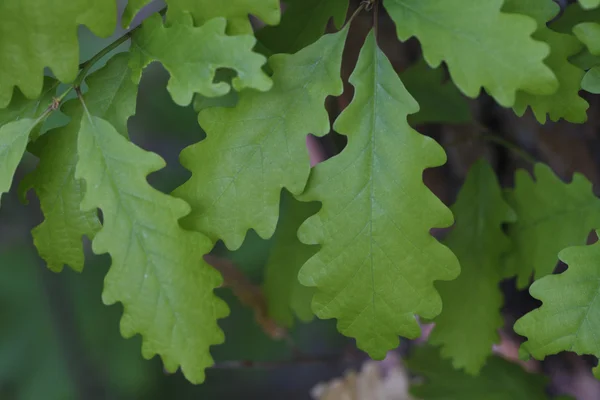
(58, 341)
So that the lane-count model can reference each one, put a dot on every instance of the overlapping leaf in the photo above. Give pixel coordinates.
(193, 55)
(439, 102)
(473, 301)
(36, 34)
(551, 215)
(565, 102)
(499, 380)
(378, 261)
(17, 123)
(259, 146)
(476, 40)
(569, 318)
(591, 81)
(111, 95)
(286, 297)
(302, 24)
(235, 11)
(157, 270)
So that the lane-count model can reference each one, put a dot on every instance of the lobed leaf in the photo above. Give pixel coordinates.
(302, 24)
(377, 264)
(37, 34)
(111, 95)
(551, 215)
(258, 147)
(193, 55)
(565, 102)
(157, 270)
(476, 40)
(499, 379)
(235, 11)
(473, 301)
(569, 318)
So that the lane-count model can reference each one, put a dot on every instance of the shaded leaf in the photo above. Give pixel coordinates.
(286, 297)
(468, 325)
(378, 261)
(302, 24)
(551, 215)
(499, 380)
(439, 102)
(259, 146)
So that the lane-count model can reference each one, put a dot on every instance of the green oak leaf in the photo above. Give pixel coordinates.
(551, 215)
(235, 11)
(157, 270)
(36, 34)
(591, 80)
(587, 33)
(378, 261)
(258, 147)
(588, 4)
(476, 40)
(573, 15)
(473, 301)
(439, 102)
(565, 102)
(111, 95)
(131, 9)
(285, 295)
(13, 142)
(569, 318)
(193, 55)
(499, 379)
(302, 24)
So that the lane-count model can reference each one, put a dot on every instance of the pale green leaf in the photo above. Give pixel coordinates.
(589, 34)
(302, 24)
(285, 295)
(551, 215)
(193, 55)
(565, 102)
(378, 261)
(477, 42)
(473, 301)
(13, 142)
(157, 270)
(259, 146)
(499, 379)
(569, 318)
(111, 95)
(235, 11)
(591, 81)
(439, 102)
(588, 4)
(36, 34)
